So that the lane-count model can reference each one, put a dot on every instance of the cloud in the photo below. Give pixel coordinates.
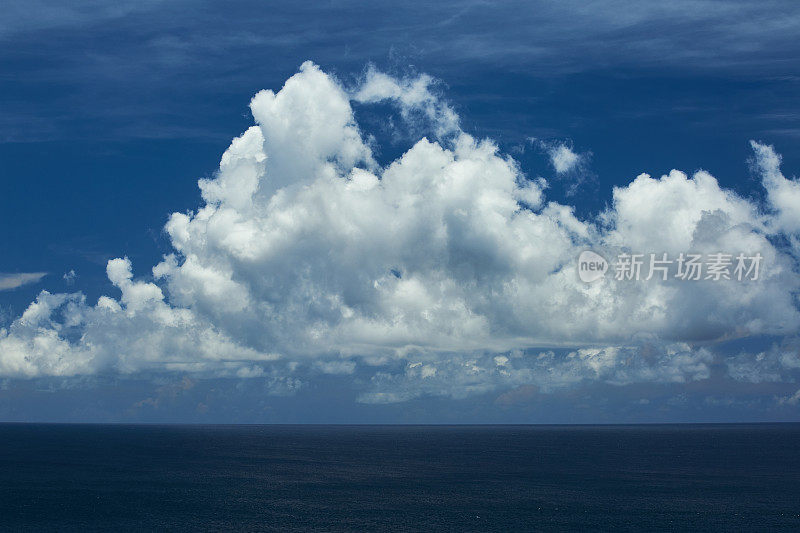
(60, 335)
(223, 48)
(783, 194)
(570, 166)
(335, 367)
(70, 277)
(779, 363)
(415, 97)
(12, 281)
(32, 16)
(793, 399)
(563, 158)
(444, 272)
(460, 375)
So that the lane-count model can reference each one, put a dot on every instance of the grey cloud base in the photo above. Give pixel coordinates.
(309, 258)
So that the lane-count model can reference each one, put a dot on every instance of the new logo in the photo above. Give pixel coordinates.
(591, 266)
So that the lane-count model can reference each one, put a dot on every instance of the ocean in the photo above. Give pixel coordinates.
(399, 478)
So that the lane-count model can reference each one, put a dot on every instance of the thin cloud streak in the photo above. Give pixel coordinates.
(13, 281)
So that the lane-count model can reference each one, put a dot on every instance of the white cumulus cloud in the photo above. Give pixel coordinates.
(443, 272)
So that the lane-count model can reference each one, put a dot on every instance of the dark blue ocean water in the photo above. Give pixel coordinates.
(404, 478)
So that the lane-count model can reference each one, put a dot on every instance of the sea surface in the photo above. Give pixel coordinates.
(400, 478)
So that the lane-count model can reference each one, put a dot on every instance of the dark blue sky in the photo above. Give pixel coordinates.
(112, 112)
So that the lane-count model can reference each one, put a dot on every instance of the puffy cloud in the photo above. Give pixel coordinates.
(414, 96)
(569, 165)
(443, 272)
(12, 281)
(563, 158)
(783, 194)
(60, 335)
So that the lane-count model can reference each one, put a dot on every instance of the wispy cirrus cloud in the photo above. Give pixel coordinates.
(182, 45)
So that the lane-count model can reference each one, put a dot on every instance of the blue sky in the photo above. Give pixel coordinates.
(111, 114)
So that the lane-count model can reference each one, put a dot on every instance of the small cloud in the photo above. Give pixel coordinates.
(12, 281)
(341, 368)
(794, 399)
(70, 277)
(415, 96)
(563, 158)
(568, 164)
(250, 372)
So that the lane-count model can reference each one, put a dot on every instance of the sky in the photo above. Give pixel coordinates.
(350, 212)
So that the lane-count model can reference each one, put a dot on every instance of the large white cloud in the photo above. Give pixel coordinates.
(448, 262)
